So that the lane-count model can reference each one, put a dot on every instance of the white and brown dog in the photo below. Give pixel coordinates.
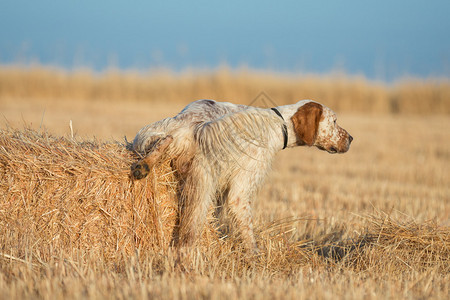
(223, 151)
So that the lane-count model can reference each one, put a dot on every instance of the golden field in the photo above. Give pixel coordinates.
(372, 223)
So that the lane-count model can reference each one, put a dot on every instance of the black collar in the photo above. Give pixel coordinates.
(285, 132)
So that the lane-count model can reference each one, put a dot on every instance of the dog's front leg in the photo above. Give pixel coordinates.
(242, 192)
(239, 204)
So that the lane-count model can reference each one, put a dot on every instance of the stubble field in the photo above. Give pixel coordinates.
(372, 223)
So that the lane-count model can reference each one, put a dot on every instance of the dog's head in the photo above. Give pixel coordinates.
(315, 125)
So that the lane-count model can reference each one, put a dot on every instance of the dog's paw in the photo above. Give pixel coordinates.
(139, 170)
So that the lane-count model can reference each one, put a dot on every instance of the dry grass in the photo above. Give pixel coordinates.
(342, 93)
(74, 225)
(372, 223)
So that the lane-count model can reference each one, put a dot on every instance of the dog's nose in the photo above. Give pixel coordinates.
(350, 138)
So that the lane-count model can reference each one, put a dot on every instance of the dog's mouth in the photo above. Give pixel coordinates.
(331, 150)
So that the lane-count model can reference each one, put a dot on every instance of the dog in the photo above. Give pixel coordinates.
(222, 152)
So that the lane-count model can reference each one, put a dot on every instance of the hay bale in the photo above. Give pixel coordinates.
(57, 195)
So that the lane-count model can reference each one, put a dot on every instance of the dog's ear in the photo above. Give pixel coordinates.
(306, 122)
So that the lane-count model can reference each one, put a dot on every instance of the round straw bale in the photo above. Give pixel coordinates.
(57, 194)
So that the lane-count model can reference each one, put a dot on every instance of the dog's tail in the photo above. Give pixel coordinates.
(148, 137)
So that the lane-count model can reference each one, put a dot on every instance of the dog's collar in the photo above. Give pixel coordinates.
(285, 132)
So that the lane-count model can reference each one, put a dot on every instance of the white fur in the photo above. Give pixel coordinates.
(222, 152)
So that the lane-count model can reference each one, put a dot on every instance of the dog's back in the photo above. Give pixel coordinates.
(182, 125)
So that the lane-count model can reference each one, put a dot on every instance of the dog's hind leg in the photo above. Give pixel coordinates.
(141, 168)
(198, 193)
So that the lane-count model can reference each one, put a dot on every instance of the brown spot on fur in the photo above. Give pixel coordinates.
(306, 122)
(209, 102)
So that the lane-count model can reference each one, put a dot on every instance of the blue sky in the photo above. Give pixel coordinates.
(380, 39)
